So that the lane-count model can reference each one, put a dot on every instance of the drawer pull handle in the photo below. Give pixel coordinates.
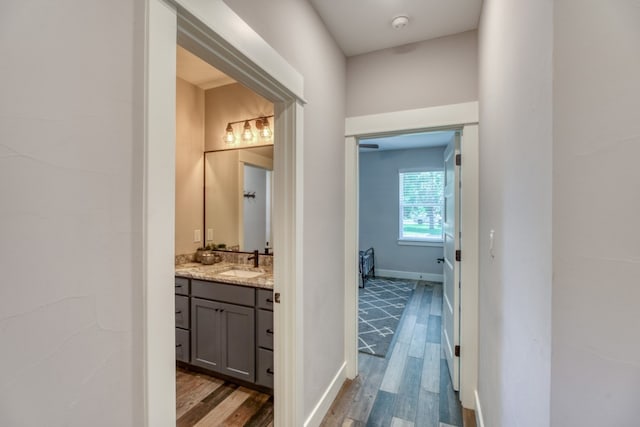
(270, 331)
(270, 300)
(221, 310)
(178, 345)
(270, 371)
(179, 311)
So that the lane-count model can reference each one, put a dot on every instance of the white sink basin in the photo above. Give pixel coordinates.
(244, 274)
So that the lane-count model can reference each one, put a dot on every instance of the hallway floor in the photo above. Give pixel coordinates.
(411, 385)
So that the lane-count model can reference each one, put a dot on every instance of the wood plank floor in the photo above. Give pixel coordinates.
(205, 401)
(410, 387)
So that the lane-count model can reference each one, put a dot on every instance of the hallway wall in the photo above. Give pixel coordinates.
(424, 74)
(297, 33)
(71, 168)
(515, 46)
(595, 370)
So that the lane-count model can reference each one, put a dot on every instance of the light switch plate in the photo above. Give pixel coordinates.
(197, 236)
(209, 234)
(491, 238)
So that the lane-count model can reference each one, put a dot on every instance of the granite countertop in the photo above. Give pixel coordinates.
(194, 270)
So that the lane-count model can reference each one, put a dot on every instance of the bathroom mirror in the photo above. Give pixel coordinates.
(237, 198)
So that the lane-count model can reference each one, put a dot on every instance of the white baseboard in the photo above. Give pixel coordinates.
(321, 409)
(479, 419)
(409, 275)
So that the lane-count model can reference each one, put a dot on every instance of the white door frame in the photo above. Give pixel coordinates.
(214, 32)
(460, 116)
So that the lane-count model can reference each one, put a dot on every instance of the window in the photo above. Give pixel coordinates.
(421, 205)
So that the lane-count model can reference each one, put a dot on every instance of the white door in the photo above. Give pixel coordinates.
(254, 212)
(451, 285)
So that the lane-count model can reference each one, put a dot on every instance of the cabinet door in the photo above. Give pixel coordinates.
(182, 286)
(205, 334)
(265, 329)
(264, 376)
(238, 341)
(182, 312)
(264, 299)
(182, 345)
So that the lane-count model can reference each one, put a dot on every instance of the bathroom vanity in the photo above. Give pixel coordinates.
(224, 320)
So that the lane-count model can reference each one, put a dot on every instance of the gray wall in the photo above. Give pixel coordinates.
(516, 46)
(425, 74)
(596, 203)
(379, 209)
(297, 33)
(71, 167)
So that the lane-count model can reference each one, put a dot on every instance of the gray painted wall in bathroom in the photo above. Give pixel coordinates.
(379, 209)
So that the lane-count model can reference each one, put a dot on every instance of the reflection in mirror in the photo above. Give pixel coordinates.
(237, 198)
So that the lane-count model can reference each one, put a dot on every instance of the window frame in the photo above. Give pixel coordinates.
(417, 241)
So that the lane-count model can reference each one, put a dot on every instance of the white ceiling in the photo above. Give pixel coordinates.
(361, 26)
(408, 141)
(191, 68)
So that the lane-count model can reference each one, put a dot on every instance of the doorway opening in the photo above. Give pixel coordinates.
(401, 182)
(211, 31)
(419, 220)
(222, 223)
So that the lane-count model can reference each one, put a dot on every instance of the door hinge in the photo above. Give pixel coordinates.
(458, 255)
(456, 351)
(458, 159)
(276, 297)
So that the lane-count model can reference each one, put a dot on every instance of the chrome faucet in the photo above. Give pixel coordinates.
(255, 257)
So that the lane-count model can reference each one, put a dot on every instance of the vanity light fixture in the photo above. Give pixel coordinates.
(247, 135)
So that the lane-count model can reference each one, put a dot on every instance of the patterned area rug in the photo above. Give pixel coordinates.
(380, 307)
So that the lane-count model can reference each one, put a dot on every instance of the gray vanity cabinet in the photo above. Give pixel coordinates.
(225, 328)
(223, 335)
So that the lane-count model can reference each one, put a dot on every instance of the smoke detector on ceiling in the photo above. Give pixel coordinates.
(400, 22)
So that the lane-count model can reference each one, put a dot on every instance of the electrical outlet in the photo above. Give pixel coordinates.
(197, 236)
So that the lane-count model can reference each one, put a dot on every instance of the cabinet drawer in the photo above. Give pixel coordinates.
(264, 299)
(182, 345)
(264, 376)
(265, 329)
(182, 286)
(234, 294)
(182, 312)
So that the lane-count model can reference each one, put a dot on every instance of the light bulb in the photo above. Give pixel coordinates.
(247, 134)
(229, 136)
(265, 130)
